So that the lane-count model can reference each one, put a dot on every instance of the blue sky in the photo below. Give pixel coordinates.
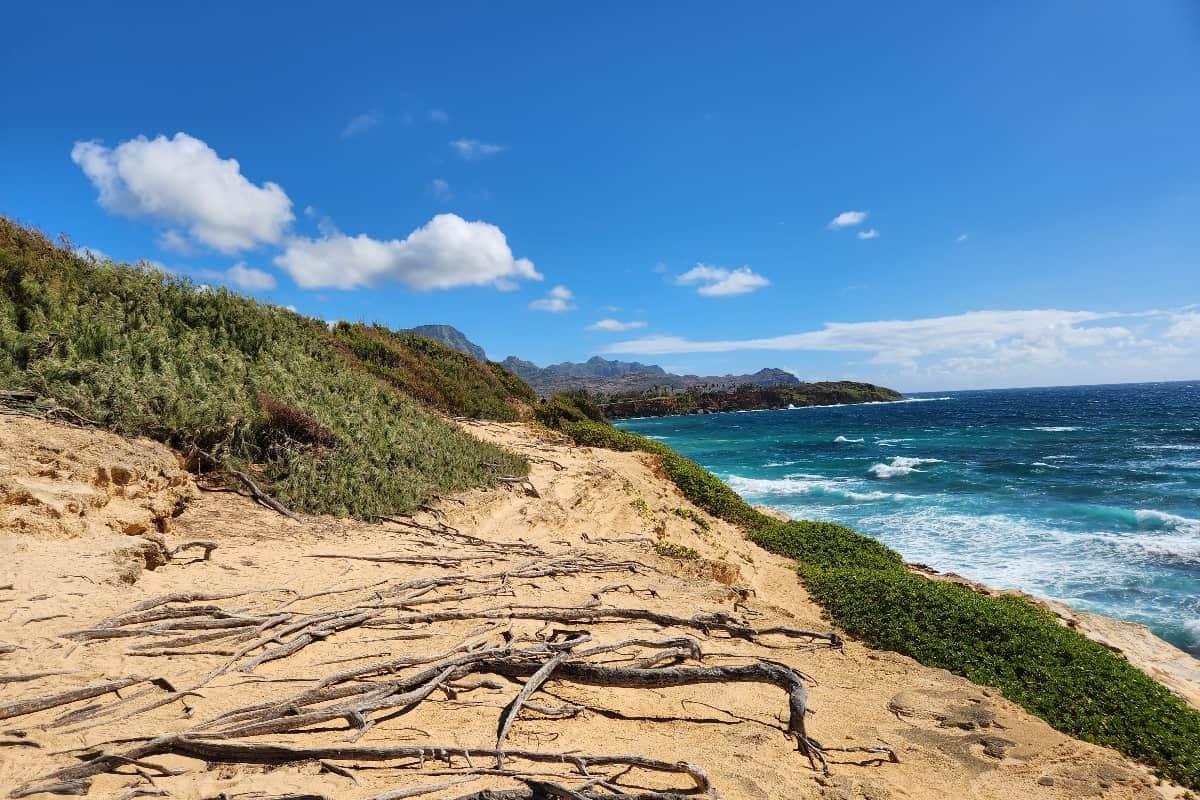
(1016, 185)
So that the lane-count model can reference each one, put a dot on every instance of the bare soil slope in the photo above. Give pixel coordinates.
(337, 639)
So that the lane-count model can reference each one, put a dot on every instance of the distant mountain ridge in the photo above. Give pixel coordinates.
(607, 377)
(450, 336)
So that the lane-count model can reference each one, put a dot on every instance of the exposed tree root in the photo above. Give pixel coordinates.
(529, 646)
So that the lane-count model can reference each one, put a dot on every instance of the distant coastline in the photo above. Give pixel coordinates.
(746, 398)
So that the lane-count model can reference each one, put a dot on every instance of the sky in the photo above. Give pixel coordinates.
(931, 196)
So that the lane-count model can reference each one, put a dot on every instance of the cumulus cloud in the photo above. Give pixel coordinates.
(558, 300)
(250, 278)
(868, 234)
(616, 325)
(848, 219)
(183, 182)
(978, 348)
(962, 237)
(473, 149)
(445, 253)
(721, 282)
(361, 124)
(439, 116)
(241, 276)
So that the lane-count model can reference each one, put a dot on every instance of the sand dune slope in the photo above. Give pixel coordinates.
(533, 578)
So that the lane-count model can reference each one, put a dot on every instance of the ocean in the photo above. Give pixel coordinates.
(1085, 494)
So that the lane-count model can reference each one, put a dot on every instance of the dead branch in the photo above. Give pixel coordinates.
(258, 494)
(199, 544)
(30, 676)
(524, 484)
(272, 753)
(31, 705)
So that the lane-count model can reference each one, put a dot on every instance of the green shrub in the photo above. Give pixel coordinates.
(437, 375)
(1075, 684)
(1078, 686)
(689, 514)
(143, 352)
(566, 408)
(679, 551)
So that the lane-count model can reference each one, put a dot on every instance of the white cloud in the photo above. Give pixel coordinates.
(557, 301)
(439, 116)
(848, 219)
(473, 149)
(441, 189)
(721, 282)
(868, 234)
(616, 325)
(962, 237)
(986, 348)
(445, 253)
(899, 340)
(361, 124)
(1185, 326)
(250, 278)
(176, 242)
(182, 181)
(239, 275)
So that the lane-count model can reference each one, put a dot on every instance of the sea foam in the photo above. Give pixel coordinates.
(844, 440)
(813, 486)
(901, 465)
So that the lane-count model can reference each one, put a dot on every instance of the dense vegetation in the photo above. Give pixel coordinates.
(702, 400)
(143, 352)
(1076, 685)
(450, 336)
(435, 374)
(565, 408)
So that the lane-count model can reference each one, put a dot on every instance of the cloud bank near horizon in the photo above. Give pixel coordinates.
(992, 347)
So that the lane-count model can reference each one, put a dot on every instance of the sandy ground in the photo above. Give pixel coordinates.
(78, 547)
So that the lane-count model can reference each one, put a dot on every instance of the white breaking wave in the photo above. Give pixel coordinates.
(1044, 464)
(1168, 446)
(1192, 626)
(844, 440)
(1053, 428)
(901, 465)
(1176, 548)
(780, 463)
(890, 442)
(808, 486)
(1162, 520)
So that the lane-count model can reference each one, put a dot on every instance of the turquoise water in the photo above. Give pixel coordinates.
(1089, 495)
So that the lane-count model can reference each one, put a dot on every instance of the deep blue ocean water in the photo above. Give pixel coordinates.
(1089, 495)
